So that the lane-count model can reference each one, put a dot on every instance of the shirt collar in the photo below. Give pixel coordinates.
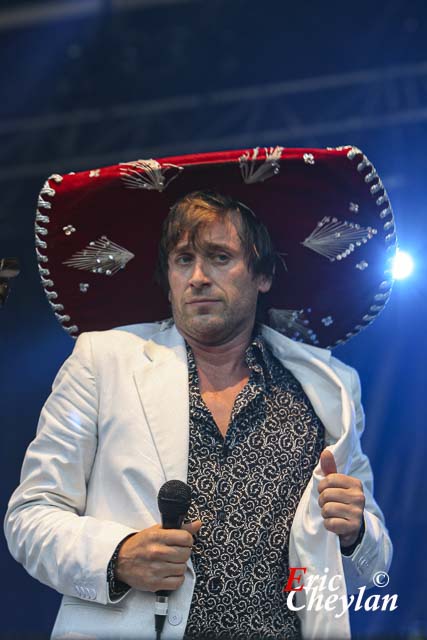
(258, 358)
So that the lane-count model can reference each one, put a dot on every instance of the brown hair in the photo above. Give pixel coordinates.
(192, 212)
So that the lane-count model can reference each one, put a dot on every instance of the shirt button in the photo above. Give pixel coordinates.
(215, 585)
(221, 516)
(175, 618)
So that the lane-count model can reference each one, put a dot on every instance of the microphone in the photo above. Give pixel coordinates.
(174, 500)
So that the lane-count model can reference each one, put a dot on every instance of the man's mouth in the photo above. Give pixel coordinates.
(203, 301)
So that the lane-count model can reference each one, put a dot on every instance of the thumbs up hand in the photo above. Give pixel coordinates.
(342, 501)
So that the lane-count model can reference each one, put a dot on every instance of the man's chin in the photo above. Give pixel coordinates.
(207, 322)
(207, 328)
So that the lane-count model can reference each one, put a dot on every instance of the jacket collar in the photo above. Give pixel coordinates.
(163, 388)
(168, 341)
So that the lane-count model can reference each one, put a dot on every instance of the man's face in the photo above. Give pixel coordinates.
(212, 292)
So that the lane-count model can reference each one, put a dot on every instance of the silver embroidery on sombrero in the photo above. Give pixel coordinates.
(336, 240)
(41, 257)
(293, 323)
(101, 256)
(269, 167)
(377, 191)
(148, 174)
(308, 158)
(56, 177)
(362, 265)
(42, 218)
(73, 329)
(352, 152)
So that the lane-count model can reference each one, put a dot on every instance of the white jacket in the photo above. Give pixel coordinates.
(114, 429)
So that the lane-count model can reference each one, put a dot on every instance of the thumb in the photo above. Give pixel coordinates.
(192, 527)
(327, 462)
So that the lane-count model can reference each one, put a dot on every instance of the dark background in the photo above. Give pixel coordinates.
(87, 84)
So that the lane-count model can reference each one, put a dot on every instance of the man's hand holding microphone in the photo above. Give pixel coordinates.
(156, 558)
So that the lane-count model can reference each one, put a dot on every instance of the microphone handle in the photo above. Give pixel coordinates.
(170, 522)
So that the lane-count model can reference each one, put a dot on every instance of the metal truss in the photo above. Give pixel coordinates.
(41, 12)
(299, 112)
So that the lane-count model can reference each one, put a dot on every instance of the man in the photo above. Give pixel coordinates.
(220, 402)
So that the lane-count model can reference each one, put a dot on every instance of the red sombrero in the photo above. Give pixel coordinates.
(97, 235)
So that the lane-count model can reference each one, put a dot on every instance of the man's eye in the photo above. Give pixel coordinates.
(222, 257)
(183, 259)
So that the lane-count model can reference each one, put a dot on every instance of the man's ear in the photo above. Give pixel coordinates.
(264, 283)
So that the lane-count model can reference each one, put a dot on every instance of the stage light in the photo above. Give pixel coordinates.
(403, 265)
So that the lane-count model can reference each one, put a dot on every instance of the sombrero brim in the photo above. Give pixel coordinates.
(97, 236)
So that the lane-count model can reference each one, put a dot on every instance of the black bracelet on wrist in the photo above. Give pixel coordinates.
(347, 551)
(116, 587)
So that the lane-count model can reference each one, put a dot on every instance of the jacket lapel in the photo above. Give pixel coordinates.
(326, 391)
(310, 544)
(162, 383)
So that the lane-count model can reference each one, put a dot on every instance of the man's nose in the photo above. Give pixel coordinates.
(199, 275)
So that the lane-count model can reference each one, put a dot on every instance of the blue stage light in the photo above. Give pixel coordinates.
(403, 265)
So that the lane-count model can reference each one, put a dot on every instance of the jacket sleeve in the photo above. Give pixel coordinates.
(45, 525)
(374, 553)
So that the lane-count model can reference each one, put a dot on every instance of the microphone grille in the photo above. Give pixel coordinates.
(174, 495)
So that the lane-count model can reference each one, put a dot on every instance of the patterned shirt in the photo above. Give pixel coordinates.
(246, 487)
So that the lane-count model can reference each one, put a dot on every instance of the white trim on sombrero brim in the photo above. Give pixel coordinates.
(385, 211)
(41, 244)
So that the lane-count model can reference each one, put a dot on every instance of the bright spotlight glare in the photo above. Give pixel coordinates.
(403, 265)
